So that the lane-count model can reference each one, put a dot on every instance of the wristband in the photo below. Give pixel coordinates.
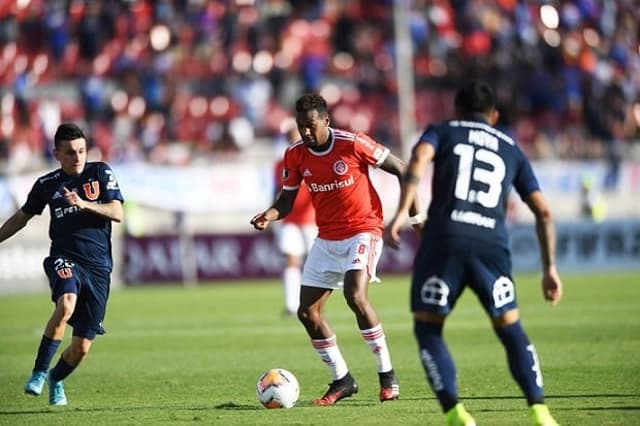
(416, 220)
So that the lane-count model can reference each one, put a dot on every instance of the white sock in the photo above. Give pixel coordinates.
(291, 283)
(330, 354)
(375, 338)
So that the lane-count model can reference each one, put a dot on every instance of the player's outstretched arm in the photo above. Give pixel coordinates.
(545, 231)
(280, 209)
(15, 223)
(408, 203)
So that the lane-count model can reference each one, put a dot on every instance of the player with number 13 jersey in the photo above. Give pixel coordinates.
(484, 162)
(465, 244)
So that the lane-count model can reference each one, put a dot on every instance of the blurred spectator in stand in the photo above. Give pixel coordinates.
(616, 120)
(4, 154)
(222, 140)
(92, 92)
(49, 115)
(57, 31)
(592, 206)
(89, 32)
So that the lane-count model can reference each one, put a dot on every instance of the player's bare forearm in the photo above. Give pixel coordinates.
(280, 209)
(408, 198)
(421, 156)
(545, 228)
(545, 231)
(407, 205)
(551, 283)
(261, 220)
(112, 210)
(393, 165)
(273, 213)
(408, 195)
(15, 223)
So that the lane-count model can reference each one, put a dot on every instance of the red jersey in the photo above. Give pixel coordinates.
(302, 212)
(343, 195)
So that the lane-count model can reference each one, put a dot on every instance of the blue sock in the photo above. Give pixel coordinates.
(46, 350)
(523, 361)
(61, 370)
(437, 363)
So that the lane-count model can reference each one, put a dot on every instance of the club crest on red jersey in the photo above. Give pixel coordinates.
(340, 167)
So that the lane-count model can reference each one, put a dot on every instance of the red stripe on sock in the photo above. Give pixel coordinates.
(323, 344)
(372, 335)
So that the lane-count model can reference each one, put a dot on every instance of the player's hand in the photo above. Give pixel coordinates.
(73, 198)
(259, 222)
(552, 286)
(391, 234)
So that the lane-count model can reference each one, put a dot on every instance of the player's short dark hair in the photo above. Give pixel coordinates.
(474, 97)
(311, 101)
(67, 132)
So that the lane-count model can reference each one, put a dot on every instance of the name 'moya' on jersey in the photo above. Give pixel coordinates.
(345, 200)
(485, 163)
(84, 237)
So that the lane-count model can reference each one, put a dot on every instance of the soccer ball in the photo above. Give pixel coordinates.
(278, 388)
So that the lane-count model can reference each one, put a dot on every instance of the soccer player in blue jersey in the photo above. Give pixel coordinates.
(83, 198)
(465, 243)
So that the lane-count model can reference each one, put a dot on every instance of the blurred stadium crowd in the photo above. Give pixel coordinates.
(182, 81)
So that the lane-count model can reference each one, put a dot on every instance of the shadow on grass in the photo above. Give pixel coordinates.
(633, 397)
(507, 397)
(245, 407)
(237, 407)
(547, 396)
(232, 406)
(58, 410)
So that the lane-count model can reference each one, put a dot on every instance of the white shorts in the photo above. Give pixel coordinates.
(328, 260)
(295, 240)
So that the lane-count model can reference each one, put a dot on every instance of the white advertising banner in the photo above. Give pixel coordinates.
(216, 188)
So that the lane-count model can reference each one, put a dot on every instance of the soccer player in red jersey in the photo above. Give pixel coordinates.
(334, 164)
(295, 234)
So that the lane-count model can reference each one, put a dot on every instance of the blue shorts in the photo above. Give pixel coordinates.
(443, 268)
(90, 285)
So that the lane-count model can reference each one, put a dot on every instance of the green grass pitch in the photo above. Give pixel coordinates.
(175, 355)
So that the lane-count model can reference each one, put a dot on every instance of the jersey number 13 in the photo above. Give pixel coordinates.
(492, 176)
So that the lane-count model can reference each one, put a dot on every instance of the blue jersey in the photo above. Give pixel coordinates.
(80, 236)
(475, 166)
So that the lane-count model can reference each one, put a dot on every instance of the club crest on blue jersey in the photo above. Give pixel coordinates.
(91, 190)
